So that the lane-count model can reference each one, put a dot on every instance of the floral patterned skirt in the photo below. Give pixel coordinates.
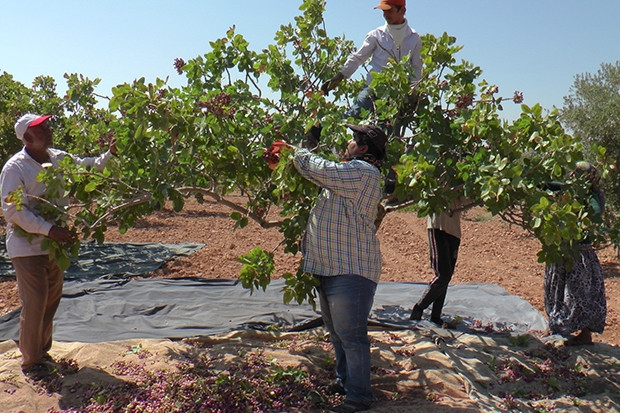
(575, 299)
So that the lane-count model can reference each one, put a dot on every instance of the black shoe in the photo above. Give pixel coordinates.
(36, 372)
(448, 325)
(416, 313)
(350, 407)
(579, 340)
(46, 358)
(335, 388)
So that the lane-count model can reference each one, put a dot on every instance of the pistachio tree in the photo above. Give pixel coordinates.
(207, 139)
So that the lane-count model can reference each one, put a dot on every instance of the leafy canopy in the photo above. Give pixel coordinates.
(206, 139)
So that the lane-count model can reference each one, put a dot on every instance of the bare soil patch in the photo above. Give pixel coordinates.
(492, 251)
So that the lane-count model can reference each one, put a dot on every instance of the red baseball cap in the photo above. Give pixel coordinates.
(29, 120)
(39, 120)
(387, 4)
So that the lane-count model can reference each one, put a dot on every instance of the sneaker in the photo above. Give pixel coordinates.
(416, 313)
(350, 407)
(335, 388)
(36, 372)
(448, 325)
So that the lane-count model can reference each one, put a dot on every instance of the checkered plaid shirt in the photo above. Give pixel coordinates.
(340, 237)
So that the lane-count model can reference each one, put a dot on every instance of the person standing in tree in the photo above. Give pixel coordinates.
(394, 40)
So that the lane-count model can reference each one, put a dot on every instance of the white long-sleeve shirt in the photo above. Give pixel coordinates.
(379, 46)
(21, 170)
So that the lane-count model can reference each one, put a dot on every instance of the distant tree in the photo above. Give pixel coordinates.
(14, 100)
(592, 112)
(17, 99)
(79, 124)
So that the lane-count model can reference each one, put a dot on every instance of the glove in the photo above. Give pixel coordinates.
(413, 96)
(332, 83)
(272, 154)
(390, 181)
(313, 137)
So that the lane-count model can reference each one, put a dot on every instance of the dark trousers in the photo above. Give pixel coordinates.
(444, 250)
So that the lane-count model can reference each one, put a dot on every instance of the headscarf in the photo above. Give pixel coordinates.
(589, 172)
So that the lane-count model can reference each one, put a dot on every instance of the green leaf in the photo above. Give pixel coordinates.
(91, 186)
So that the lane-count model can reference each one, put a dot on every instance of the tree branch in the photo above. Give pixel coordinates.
(133, 202)
(235, 207)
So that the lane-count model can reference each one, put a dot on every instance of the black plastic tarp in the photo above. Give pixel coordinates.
(109, 259)
(102, 302)
(120, 308)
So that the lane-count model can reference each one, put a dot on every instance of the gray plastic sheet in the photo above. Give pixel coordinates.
(109, 309)
(113, 258)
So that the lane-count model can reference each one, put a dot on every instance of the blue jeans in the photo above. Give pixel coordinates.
(365, 100)
(346, 301)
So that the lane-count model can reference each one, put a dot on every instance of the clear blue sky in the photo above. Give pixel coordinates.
(534, 46)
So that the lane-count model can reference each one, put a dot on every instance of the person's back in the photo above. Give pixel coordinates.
(345, 210)
(341, 250)
(575, 301)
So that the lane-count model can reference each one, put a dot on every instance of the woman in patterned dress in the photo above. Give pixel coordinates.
(575, 299)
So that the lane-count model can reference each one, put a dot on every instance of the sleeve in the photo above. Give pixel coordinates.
(416, 60)
(341, 178)
(98, 162)
(553, 186)
(596, 203)
(28, 220)
(359, 57)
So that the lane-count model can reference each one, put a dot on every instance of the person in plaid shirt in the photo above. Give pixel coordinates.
(341, 248)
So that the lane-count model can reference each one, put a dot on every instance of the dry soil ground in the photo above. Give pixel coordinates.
(492, 251)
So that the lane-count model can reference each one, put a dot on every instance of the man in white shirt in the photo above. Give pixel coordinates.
(39, 279)
(394, 40)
